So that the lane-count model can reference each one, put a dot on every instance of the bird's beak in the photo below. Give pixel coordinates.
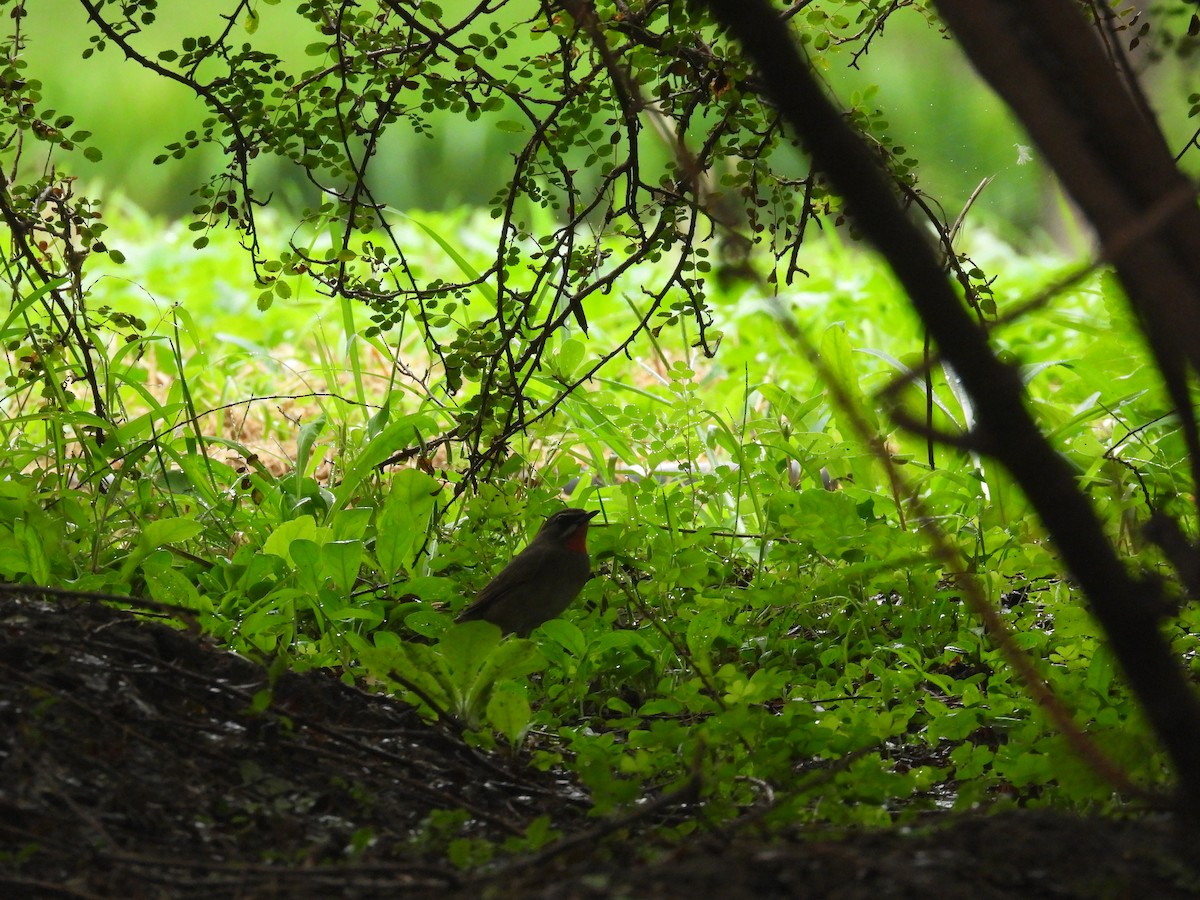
(593, 514)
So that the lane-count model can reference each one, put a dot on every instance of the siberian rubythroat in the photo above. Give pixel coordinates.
(541, 581)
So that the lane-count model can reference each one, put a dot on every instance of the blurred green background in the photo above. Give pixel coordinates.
(934, 104)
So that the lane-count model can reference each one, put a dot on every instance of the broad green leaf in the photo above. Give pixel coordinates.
(350, 524)
(1100, 672)
(428, 623)
(175, 530)
(508, 712)
(512, 659)
(569, 356)
(702, 631)
(305, 556)
(567, 635)
(170, 586)
(838, 358)
(36, 563)
(302, 527)
(784, 403)
(403, 523)
(466, 649)
(340, 561)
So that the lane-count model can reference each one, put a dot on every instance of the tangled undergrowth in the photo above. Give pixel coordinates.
(139, 760)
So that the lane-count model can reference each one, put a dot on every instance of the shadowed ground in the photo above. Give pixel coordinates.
(133, 764)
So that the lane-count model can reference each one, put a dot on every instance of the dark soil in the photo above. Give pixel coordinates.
(134, 765)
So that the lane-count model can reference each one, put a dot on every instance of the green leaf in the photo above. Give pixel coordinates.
(567, 635)
(466, 648)
(702, 631)
(37, 565)
(838, 358)
(169, 586)
(476, 661)
(300, 528)
(403, 522)
(1100, 672)
(827, 520)
(508, 712)
(786, 404)
(170, 531)
(309, 432)
(428, 623)
(305, 556)
(401, 433)
(340, 561)
(569, 356)
(350, 524)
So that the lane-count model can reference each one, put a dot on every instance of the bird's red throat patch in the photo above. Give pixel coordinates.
(578, 540)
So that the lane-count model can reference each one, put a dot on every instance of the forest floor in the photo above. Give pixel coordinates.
(133, 763)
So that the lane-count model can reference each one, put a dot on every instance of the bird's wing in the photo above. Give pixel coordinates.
(505, 583)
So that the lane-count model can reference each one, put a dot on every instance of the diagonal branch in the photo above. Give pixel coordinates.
(1124, 604)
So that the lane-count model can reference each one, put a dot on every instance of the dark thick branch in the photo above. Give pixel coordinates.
(1093, 128)
(1124, 605)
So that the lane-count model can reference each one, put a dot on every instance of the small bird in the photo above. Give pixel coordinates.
(541, 581)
